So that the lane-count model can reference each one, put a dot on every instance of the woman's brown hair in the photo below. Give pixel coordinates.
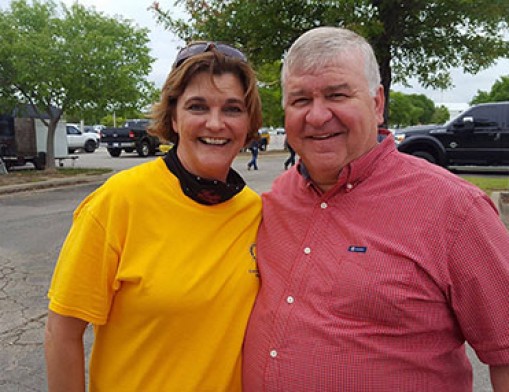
(215, 63)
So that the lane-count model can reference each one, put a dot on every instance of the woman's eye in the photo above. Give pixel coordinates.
(197, 107)
(233, 109)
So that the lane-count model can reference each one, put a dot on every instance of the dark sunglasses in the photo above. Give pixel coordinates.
(202, 47)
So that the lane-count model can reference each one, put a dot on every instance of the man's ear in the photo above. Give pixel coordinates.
(379, 104)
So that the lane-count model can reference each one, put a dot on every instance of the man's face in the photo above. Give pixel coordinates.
(331, 118)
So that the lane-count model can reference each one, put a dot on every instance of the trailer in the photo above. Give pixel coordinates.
(23, 140)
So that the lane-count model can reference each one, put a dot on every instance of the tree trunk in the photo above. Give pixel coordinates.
(386, 75)
(50, 144)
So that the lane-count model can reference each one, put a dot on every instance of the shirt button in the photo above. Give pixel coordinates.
(349, 186)
(273, 353)
(290, 299)
(307, 250)
(323, 205)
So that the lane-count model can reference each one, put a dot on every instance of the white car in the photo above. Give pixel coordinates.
(76, 139)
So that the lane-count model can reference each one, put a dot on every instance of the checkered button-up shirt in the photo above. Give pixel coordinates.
(377, 284)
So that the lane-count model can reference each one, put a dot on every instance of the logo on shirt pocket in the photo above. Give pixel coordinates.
(357, 249)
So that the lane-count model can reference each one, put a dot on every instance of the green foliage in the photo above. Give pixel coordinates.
(411, 38)
(441, 115)
(499, 92)
(75, 59)
(400, 113)
(270, 92)
(413, 109)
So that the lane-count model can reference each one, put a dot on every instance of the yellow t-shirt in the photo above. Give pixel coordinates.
(168, 283)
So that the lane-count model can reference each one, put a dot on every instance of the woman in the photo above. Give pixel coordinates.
(160, 258)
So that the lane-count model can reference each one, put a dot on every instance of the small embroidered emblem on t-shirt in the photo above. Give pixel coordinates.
(357, 249)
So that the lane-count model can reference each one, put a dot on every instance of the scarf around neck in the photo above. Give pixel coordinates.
(202, 190)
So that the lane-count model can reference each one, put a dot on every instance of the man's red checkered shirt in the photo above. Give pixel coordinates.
(376, 285)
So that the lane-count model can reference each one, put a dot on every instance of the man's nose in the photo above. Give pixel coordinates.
(318, 114)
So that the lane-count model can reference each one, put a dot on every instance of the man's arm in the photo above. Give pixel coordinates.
(500, 378)
(65, 360)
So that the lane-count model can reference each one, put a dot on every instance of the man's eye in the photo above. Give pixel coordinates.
(336, 96)
(300, 101)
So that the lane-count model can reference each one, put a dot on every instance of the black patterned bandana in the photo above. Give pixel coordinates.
(202, 190)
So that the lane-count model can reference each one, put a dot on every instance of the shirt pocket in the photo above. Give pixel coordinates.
(367, 289)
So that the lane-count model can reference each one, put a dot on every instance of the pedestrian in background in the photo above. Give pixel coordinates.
(290, 161)
(376, 266)
(169, 298)
(253, 148)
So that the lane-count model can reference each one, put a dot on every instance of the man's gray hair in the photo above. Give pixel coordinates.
(322, 46)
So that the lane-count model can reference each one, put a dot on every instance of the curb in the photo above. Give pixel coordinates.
(53, 183)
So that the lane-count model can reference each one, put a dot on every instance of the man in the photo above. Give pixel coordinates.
(376, 267)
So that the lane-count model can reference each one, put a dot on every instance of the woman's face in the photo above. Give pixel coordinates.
(212, 123)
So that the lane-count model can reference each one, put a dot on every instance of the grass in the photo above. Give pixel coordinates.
(30, 175)
(489, 184)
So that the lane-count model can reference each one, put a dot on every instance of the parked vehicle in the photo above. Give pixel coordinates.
(23, 139)
(131, 137)
(263, 142)
(76, 139)
(478, 136)
(98, 127)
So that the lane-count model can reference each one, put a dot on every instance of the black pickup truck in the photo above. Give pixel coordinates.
(478, 136)
(131, 137)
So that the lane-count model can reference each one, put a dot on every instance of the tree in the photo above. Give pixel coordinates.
(411, 38)
(499, 92)
(413, 109)
(401, 110)
(270, 94)
(441, 115)
(426, 108)
(71, 58)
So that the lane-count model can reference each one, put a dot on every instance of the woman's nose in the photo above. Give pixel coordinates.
(215, 120)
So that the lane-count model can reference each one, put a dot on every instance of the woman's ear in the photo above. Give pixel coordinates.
(174, 125)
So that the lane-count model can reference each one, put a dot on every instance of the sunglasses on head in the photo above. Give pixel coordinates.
(202, 47)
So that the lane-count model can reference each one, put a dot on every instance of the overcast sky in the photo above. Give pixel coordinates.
(164, 46)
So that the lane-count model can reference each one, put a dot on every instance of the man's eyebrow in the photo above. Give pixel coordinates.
(337, 87)
(297, 92)
(326, 89)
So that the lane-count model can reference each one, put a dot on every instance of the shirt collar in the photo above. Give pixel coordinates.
(357, 170)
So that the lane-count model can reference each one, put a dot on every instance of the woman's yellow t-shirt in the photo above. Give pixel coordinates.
(168, 283)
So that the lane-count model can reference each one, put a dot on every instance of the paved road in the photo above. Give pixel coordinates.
(270, 165)
(31, 233)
